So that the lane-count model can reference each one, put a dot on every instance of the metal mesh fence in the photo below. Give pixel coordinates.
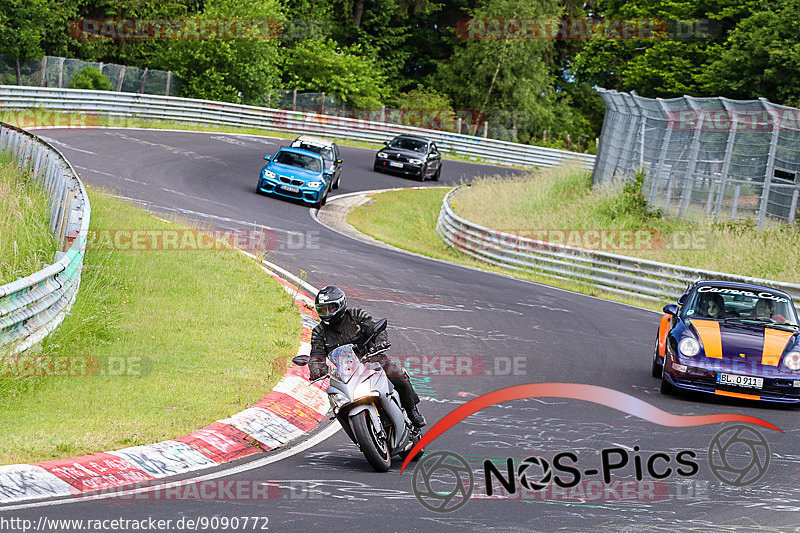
(51, 71)
(704, 157)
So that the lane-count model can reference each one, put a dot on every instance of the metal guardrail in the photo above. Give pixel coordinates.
(618, 274)
(209, 112)
(33, 306)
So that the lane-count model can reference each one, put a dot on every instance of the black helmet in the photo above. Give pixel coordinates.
(331, 304)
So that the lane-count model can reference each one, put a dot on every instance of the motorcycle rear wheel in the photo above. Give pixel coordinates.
(375, 449)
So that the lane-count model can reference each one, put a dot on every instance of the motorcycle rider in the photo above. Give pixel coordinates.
(340, 325)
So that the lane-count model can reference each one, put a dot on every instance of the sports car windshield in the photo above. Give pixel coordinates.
(733, 304)
(409, 144)
(306, 162)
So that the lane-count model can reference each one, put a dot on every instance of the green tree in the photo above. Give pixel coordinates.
(319, 65)
(90, 78)
(760, 58)
(22, 28)
(510, 76)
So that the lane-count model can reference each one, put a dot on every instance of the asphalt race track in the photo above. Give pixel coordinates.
(502, 332)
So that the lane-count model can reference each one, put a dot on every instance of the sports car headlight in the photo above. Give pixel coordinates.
(415, 161)
(270, 174)
(382, 155)
(792, 360)
(314, 184)
(363, 389)
(689, 347)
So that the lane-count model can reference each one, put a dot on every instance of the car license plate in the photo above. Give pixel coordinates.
(740, 381)
(395, 164)
(289, 189)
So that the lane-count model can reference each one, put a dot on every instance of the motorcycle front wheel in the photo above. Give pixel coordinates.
(374, 448)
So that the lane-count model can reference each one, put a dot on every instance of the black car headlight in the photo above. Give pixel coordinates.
(382, 155)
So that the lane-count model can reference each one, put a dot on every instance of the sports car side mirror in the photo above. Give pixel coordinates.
(671, 309)
(267, 157)
(301, 360)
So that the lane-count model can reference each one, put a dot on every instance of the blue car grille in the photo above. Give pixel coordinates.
(291, 181)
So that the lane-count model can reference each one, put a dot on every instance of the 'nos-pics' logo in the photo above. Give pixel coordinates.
(739, 455)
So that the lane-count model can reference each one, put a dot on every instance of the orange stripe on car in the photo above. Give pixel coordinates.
(663, 329)
(709, 333)
(774, 343)
(737, 395)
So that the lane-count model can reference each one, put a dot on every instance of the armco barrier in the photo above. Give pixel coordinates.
(208, 112)
(35, 305)
(613, 273)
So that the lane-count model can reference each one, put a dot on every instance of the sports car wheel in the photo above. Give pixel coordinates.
(656, 368)
(666, 387)
(336, 185)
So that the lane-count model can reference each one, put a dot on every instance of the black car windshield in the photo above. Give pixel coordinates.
(306, 162)
(325, 151)
(740, 305)
(404, 143)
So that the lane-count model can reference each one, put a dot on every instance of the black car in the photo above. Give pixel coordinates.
(329, 152)
(411, 156)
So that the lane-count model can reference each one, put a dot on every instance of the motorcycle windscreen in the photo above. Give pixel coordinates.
(345, 361)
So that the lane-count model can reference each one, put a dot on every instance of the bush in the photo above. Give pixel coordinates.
(90, 78)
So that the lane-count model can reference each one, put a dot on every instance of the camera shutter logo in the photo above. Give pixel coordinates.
(739, 455)
(544, 479)
(449, 473)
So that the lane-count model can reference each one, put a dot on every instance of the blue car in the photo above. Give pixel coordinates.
(730, 339)
(298, 174)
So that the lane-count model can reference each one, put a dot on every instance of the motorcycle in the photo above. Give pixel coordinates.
(366, 404)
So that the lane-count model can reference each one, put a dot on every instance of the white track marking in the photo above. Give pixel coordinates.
(313, 441)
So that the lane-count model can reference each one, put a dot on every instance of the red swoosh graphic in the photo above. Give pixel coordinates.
(576, 391)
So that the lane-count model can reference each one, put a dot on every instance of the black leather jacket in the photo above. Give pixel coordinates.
(350, 329)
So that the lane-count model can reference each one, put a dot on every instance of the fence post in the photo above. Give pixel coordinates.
(662, 153)
(61, 70)
(793, 208)
(169, 80)
(726, 162)
(322, 106)
(770, 170)
(485, 129)
(121, 76)
(44, 71)
(294, 100)
(688, 179)
(459, 125)
(144, 80)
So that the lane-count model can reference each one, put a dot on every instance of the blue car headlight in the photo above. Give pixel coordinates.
(689, 347)
(314, 184)
(269, 174)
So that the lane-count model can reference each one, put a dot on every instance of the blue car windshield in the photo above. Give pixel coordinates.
(722, 303)
(306, 162)
(403, 143)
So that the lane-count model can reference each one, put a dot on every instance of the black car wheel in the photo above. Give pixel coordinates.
(376, 168)
(422, 172)
(438, 173)
(338, 179)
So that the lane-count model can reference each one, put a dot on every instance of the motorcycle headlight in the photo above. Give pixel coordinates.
(314, 184)
(382, 155)
(689, 347)
(338, 399)
(792, 360)
(270, 174)
(363, 389)
(415, 161)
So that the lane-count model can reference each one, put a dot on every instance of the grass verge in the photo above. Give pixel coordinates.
(558, 205)
(407, 219)
(44, 117)
(162, 342)
(26, 243)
